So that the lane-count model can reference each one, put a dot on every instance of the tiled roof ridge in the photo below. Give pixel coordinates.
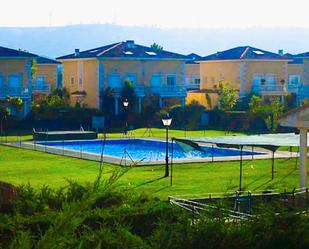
(106, 50)
(244, 53)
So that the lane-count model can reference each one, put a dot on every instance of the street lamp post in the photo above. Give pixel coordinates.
(3, 118)
(126, 105)
(167, 121)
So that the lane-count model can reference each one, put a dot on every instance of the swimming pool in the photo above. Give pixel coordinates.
(142, 149)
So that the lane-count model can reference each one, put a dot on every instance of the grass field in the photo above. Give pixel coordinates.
(20, 166)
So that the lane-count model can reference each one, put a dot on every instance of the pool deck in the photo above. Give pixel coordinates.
(127, 161)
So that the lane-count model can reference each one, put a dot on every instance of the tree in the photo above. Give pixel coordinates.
(128, 93)
(227, 97)
(33, 69)
(15, 102)
(270, 111)
(156, 46)
(108, 101)
(255, 104)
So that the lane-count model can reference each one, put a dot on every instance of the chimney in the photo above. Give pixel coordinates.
(280, 51)
(130, 44)
(76, 51)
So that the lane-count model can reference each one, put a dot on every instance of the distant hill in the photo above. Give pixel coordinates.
(56, 41)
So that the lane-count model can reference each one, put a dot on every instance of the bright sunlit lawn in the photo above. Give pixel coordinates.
(20, 166)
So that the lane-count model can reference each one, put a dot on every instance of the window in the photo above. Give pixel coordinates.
(80, 83)
(1, 81)
(15, 80)
(150, 53)
(221, 76)
(270, 79)
(206, 80)
(197, 81)
(155, 80)
(72, 80)
(39, 81)
(171, 80)
(294, 79)
(257, 79)
(114, 81)
(213, 80)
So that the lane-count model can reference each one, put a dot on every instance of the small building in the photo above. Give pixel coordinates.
(299, 119)
(151, 71)
(46, 76)
(16, 78)
(303, 79)
(246, 69)
(193, 72)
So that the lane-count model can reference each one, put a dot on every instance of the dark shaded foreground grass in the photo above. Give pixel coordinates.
(98, 215)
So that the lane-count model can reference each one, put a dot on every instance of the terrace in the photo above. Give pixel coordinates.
(14, 92)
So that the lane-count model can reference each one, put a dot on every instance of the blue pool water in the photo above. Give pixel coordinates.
(140, 149)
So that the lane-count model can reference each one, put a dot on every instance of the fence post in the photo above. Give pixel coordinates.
(307, 200)
(81, 150)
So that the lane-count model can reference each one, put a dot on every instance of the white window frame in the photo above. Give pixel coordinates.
(80, 68)
(1, 80)
(273, 76)
(174, 76)
(42, 77)
(119, 80)
(158, 75)
(18, 76)
(197, 79)
(292, 78)
(257, 79)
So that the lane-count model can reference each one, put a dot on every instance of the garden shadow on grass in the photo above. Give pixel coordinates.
(148, 182)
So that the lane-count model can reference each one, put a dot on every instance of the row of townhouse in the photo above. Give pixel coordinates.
(16, 79)
(151, 71)
(252, 71)
(165, 74)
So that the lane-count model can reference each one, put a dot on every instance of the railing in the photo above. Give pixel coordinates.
(269, 88)
(193, 86)
(139, 90)
(41, 89)
(14, 91)
(169, 90)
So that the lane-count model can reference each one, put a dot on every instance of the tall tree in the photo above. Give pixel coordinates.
(227, 97)
(156, 46)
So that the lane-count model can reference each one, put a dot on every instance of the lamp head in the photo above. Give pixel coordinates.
(125, 103)
(167, 120)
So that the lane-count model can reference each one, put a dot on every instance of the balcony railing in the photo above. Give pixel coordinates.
(139, 90)
(169, 91)
(14, 91)
(163, 91)
(193, 86)
(270, 89)
(41, 89)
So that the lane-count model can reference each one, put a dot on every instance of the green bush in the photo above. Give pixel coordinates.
(102, 216)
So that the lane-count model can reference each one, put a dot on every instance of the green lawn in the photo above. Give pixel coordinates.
(19, 166)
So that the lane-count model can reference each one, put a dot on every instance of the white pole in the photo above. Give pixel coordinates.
(303, 158)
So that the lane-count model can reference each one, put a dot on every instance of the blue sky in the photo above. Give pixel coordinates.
(160, 13)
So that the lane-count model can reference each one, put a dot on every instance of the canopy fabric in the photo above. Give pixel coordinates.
(187, 145)
(267, 141)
